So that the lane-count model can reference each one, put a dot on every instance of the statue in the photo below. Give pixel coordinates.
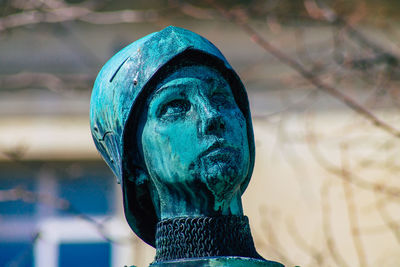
(171, 118)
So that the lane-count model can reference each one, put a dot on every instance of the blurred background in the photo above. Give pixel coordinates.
(323, 83)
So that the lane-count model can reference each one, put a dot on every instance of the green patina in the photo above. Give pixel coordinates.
(171, 118)
(119, 94)
(219, 262)
(195, 144)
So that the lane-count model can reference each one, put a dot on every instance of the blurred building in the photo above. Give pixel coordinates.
(59, 203)
(319, 164)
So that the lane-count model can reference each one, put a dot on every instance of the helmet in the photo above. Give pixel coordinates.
(118, 90)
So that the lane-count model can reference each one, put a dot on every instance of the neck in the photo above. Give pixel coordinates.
(194, 237)
(197, 204)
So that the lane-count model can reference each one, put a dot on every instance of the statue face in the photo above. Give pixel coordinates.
(195, 133)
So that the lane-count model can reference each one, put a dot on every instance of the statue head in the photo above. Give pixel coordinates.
(171, 118)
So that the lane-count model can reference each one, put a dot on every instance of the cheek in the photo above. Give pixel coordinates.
(176, 143)
(154, 148)
(237, 127)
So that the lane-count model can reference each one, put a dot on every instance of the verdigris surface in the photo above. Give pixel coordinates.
(171, 118)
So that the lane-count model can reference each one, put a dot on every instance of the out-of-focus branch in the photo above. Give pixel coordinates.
(309, 75)
(346, 175)
(36, 4)
(196, 12)
(76, 13)
(27, 196)
(16, 153)
(352, 212)
(272, 241)
(121, 16)
(318, 11)
(18, 193)
(326, 224)
(21, 258)
(316, 254)
(389, 221)
(57, 83)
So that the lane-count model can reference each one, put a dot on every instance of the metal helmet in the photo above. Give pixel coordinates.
(121, 86)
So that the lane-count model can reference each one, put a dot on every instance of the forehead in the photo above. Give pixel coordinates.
(187, 74)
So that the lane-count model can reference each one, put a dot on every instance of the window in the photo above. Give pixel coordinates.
(84, 254)
(66, 238)
(16, 254)
(89, 190)
(21, 179)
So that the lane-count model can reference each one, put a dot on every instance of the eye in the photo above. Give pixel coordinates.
(223, 98)
(174, 108)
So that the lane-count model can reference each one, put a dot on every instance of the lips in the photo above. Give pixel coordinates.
(217, 148)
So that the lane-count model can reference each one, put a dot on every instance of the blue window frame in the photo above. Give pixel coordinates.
(91, 191)
(12, 179)
(84, 254)
(16, 254)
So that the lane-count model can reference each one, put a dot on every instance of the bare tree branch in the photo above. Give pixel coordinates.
(316, 254)
(389, 222)
(326, 224)
(27, 196)
(272, 241)
(76, 13)
(352, 212)
(267, 46)
(53, 82)
(345, 174)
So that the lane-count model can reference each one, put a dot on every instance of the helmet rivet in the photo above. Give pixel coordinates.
(135, 82)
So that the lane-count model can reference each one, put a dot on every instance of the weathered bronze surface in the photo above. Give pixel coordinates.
(228, 261)
(171, 118)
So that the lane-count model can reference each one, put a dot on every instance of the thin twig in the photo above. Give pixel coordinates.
(28, 196)
(316, 254)
(267, 46)
(272, 241)
(352, 212)
(72, 13)
(53, 82)
(339, 172)
(389, 221)
(326, 224)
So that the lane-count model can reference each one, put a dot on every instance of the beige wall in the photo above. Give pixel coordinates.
(298, 201)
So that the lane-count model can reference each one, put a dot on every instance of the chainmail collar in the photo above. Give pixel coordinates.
(193, 237)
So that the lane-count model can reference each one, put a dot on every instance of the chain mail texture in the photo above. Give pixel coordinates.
(193, 237)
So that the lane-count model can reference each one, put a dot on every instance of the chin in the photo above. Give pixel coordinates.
(222, 173)
(223, 180)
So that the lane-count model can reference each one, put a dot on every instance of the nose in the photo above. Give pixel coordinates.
(212, 121)
(214, 125)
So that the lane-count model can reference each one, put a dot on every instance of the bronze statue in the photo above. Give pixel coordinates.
(171, 118)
